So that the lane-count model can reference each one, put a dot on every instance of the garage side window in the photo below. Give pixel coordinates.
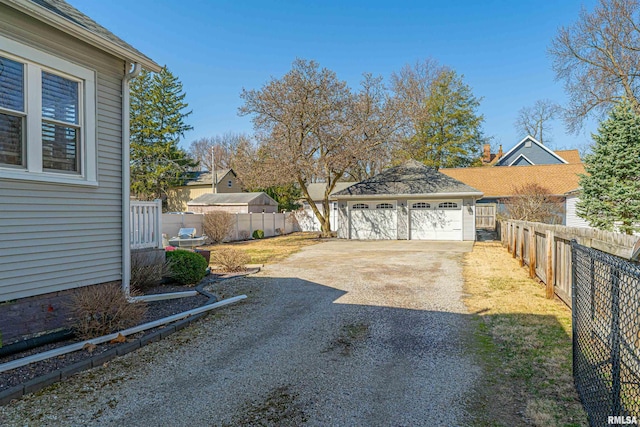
(360, 206)
(448, 205)
(384, 206)
(421, 205)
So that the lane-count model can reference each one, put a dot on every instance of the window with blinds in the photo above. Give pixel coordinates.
(60, 129)
(47, 117)
(12, 112)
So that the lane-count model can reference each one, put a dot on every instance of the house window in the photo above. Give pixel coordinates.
(421, 205)
(384, 206)
(47, 117)
(229, 183)
(360, 206)
(448, 205)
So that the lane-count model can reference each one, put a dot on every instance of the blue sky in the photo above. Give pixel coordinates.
(216, 48)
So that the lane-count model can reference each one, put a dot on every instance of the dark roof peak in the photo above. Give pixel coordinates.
(410, 178)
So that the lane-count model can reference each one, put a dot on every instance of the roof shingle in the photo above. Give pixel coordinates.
(410, 178)
(501, 181)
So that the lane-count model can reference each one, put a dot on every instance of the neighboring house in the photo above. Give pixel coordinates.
(529, 152)
(307, 220)
(198, 183)
(234, 203)
(572, 219)
(408, 202)
(499, 183)
(64, 153)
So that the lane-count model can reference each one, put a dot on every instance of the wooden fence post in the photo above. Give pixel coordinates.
(514, 245)
(521, 245)
(532, 252)
(550, 290)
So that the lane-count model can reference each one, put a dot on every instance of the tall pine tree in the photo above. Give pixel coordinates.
(158, 114)
(610, 197)
(450, 133)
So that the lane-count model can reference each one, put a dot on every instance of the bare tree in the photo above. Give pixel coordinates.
(598, 58)
(412, 86)
(441, 123)
(312, 128)
(534, 120)
(225, 147)
(533, 202)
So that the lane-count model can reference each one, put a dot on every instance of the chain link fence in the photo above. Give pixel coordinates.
(606, 334)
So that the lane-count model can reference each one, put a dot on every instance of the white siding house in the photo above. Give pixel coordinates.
(63, 149)
(572, 218)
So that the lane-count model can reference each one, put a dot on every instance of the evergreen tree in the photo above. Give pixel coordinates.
(157, 123)
(610, 198)
(450, 132)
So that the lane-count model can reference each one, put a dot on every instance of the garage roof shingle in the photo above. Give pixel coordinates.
(410, 178)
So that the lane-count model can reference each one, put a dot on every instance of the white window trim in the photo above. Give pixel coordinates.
(387, 205)
(36, 61)
(360, 206)
(457, 206)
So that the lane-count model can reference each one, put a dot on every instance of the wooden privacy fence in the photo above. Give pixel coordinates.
(546, 250)
(486, 216)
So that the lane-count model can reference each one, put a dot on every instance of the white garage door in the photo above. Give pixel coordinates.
(373, 221)
(435, 220)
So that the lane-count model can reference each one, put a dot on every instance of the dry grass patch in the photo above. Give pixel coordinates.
(524, 343)
(273, 249)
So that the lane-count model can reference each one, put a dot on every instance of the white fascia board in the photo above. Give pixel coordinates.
(522, 156)
(410, 196)
(535, 141)
(73, 29)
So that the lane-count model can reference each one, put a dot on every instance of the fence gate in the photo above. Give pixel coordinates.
(486, 216)
(606, 334)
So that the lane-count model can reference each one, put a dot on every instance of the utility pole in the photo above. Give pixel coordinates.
(214, 180)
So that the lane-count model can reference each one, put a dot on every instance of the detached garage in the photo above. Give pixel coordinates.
(407, 202)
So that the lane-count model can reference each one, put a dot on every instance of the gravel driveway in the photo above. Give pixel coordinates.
(342, 333)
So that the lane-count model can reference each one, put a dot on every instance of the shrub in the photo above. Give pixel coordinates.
(244, 235)
(147, 272)
(230, 259)
(258, 234)
(187, 268)
(104, 309)
(278, 231)
(218, 225)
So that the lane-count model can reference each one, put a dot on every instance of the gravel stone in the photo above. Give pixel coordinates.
(341, 333)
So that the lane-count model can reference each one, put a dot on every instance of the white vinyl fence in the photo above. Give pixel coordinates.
(308, 221)
(272, 224)
(145, 223)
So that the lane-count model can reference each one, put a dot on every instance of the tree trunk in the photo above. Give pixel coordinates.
(325, 221)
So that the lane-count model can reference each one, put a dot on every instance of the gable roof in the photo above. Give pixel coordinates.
(501, 182)
(411, 178)
(316, 189)
(204, 177)
(61, 15)
(533, 141)
(571, 156)
(258, 198)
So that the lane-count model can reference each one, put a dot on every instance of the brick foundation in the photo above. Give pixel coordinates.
(34, 315)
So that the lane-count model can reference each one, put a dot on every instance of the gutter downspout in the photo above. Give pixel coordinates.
(133, 70)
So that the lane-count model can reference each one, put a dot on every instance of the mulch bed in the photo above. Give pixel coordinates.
(155, 310)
